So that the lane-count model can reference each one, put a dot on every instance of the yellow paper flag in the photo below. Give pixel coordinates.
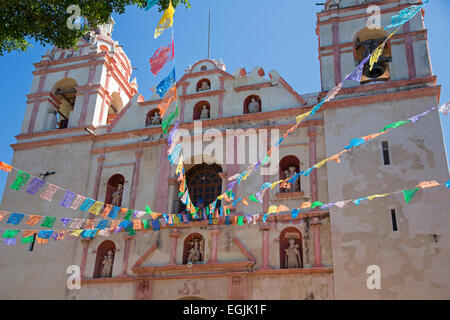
(377, 196)
(76, 233)
(166, 21)
(302, 116)
(272, 209)
(275, 183)
(321, 163)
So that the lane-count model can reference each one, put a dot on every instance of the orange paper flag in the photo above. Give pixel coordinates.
(33, 220)
(5, 167)
(305, 205)
(428, 184)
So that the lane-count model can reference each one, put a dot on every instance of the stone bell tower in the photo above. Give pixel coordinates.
(81, 87)
(409, 243)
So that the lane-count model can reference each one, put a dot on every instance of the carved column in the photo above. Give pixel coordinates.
(85, 243)
(100, 160)
(316, 224)
(134, 183)
(312, 161)
(173, 252)
(409, 51)
(222, 83)
(336, 53)
(126, 253)
(215, 235)
(265, 252)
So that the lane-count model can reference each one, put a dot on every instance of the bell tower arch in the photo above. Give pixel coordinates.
(79, 87)
(345, 36)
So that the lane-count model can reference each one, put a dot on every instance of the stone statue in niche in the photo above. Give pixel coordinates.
(296, 185)
(292, 258)
(117, 196)
(156, 119)
(253, 106)
(204, 86)
(205, 112)
(196, 252)
(107, 264)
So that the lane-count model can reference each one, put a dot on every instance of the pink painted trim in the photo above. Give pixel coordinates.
(125, 256)
(84, 257)
(163, 185)
(173, 250)
(36, 104)
(102, 111)
(144, 256)
(215, 241)
(409, 51)
(317, 246)
(222, 87)
(265, 252)
(118, 117)
(135, 181)
(243, 249)
(87, 96)
(312, 160)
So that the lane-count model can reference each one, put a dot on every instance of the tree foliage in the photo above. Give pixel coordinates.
(45, 21)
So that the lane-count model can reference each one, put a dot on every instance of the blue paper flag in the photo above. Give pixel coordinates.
(166, 83)
(447, 184)
(45, 234)
(113, 213)
(87, 204)
(124, 223)
(295, 213)
(355, 142)
(358, 201)
(155, 225)
(15, 218)
(102, 224)
(307, 172)
(227, 220)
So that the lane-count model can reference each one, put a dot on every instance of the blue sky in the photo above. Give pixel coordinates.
(272, 34)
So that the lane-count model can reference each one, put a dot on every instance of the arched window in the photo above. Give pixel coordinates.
(366, 40)
(252, 104)
(104, 259)
(114, 190)
(202, 110)
(291, 248)
(115, 107)
(65, 90)
(289, 166)
(194, 249)
(153, 118)
(204, 184)
(203, 85)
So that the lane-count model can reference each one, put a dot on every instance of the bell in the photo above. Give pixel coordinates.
(378, 70)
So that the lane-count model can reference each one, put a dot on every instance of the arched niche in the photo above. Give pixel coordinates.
(194, 248)
(288, 235)
(115, 107)
(198, 109)
(255, 102)
(153, 118)
(203, 85)
(65, 91)
(289, 166)
(112, 186)
(103, 254)
(365, 42)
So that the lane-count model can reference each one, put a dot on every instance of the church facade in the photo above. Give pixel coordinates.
(86, 121)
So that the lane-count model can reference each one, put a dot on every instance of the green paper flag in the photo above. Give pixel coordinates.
(169, 120)
(240, 220)
(145, 224)
(129, 213)
(409, 194)
(148, 210)
(394, 125)
(48, 222)
(21, 179)
(316, 204)
(253, 198)
(131, 231)
(26, 239)
(10, 234)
